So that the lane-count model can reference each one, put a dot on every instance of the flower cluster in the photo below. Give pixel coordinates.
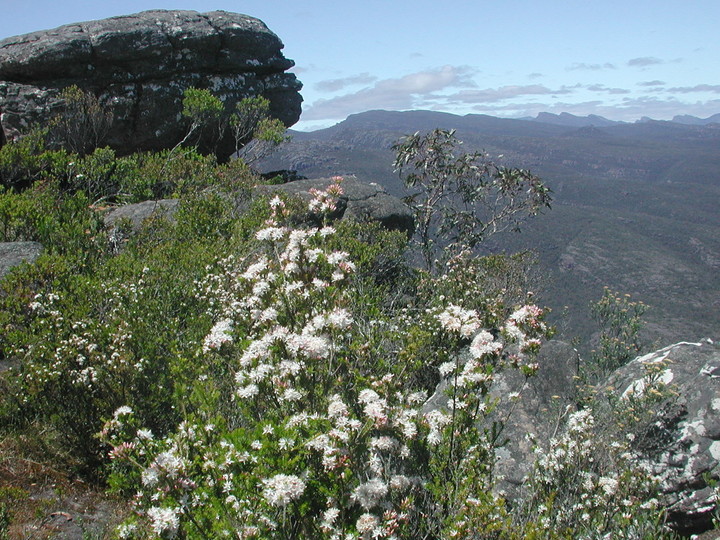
(331, 444)
(325, 201)
(571, 479)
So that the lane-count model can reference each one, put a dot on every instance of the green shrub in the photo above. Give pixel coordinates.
(28, 159)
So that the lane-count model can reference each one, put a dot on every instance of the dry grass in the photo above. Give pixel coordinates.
(41, 501)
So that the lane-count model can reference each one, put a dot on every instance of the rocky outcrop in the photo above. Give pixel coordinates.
(136, 214)
(537, 411)
(139, 66)
(360, 201)
(13, 254)
(685, 441)
(679, 443)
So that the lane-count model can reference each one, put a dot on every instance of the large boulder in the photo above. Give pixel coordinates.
(684, 447)
(360, 201)
(679, 444)
(13, 254)
(138, 66)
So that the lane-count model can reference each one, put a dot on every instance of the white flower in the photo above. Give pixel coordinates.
(270, 233)
(255, 269)
(120, 411)
(169, 462)
(370, 493)
(246, 392)
(163, 520)
(281, 489)
(219, 334)
(330, 515)
(383, 443)
(366, 523)
(127, 530)
(446, 368)
(368, 396)
(291, 394)
(456, 319)
(336, 407)
(608, 485)
(150, 477)
(484, 343)
(399, 482)
(340, 318)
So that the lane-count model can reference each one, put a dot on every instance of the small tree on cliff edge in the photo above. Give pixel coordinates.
(459, 201)
(255, 133)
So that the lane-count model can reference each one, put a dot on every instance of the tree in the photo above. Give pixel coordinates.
(206, 115)
(620, 321)
(459, 201)
(254, 131)
(84, 123)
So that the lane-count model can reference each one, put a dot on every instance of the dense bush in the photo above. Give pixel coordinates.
(249, 374)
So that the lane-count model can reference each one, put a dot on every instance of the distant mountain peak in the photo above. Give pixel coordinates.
(695, 121)
(571, 120)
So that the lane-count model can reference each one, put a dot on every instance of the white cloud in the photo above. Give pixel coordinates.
(714, 88)
(396, 94)
(582, 66)
(492, 95)
(603, 88)
(333, 85)
(644, 61)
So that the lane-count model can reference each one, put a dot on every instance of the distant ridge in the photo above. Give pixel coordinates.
(695, 121)
(570, 120)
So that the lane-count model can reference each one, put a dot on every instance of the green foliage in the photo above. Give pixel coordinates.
(83, 339)
(64, 223)
(84, 122)
(28, 159)
(620, 321)
(248, 372)
(205, 116)
(249, 112)
(255, 133)
(459, 201)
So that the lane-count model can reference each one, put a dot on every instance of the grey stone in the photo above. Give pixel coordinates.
(139, 66)
(536, 413)
(543, 400)
(360, 201)
(13, 254)
(135, 216)
(685, 443)
(137, 213)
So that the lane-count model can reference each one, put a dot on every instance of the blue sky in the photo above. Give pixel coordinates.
(619, 59)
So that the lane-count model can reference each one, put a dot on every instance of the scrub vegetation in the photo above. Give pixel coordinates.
(237, 371)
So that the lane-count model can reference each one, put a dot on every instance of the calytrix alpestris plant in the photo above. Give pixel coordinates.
(302, 436)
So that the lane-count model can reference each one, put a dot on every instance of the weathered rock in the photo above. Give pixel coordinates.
(541, 402)
(15, 253)
(687, 434)
(360, 201)
(534, 412)
(139, 66)
(681, 443)
(135, 216)
(137, 213)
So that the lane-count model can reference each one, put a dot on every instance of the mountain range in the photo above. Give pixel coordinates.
(635, 204)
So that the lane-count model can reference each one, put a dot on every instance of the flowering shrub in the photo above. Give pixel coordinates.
(583, 486)
(303, 436)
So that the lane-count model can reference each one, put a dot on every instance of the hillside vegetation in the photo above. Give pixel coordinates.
(634, 206)
(247, 368)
